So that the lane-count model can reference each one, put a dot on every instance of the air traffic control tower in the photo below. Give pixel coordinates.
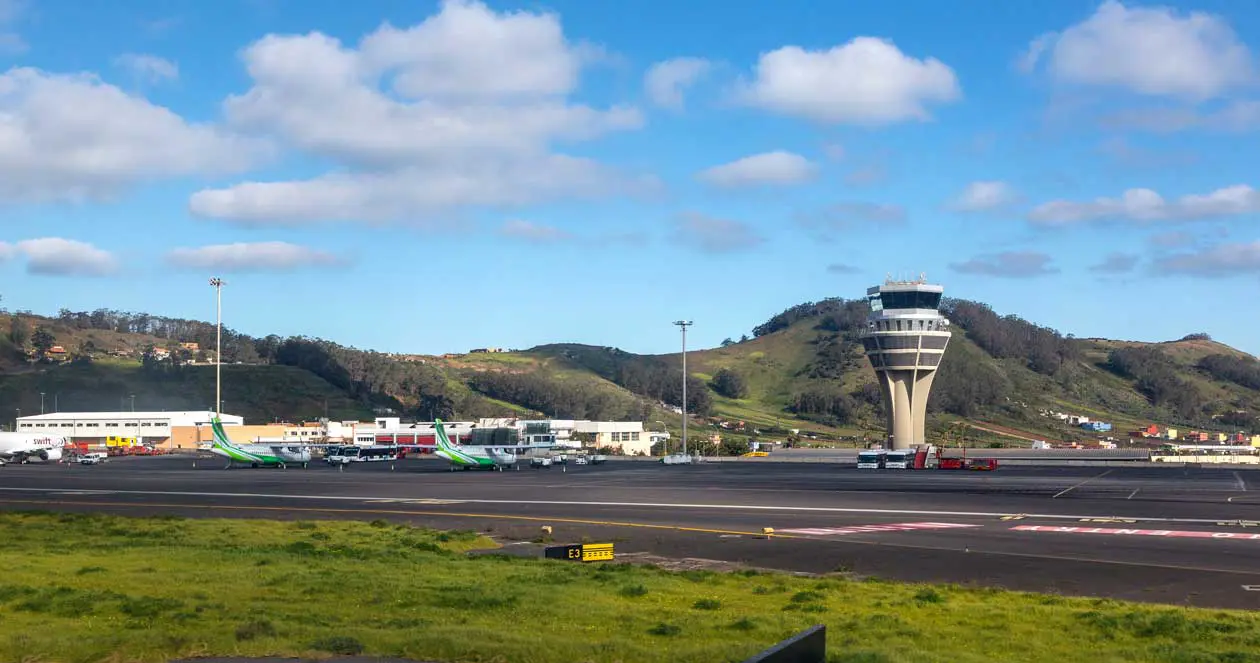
(905, 339)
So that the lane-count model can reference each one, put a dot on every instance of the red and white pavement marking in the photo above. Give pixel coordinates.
(867, 529)
(1139, 532)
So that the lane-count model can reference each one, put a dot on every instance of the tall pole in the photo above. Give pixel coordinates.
(41, 402)
(683, 325)
(218, 344)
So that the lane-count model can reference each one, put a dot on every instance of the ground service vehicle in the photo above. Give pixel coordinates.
(871, 459)
(356, 454)
(899, 459)
(369, 454)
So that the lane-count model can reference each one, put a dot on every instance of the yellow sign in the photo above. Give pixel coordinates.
(585, 552)
(1012, 517)
(595, 552)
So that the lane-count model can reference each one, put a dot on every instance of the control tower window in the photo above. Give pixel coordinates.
(876, 305)
(908, 299)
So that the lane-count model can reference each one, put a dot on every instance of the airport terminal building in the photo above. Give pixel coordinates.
(94, 428)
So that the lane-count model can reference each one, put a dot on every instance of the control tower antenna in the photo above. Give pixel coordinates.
(905, 338)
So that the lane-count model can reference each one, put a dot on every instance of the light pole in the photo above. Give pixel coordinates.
(684, 324)
(218, 343)
(133, 402)
(41, 402)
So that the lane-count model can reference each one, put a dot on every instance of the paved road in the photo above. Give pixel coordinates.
(1174, 535)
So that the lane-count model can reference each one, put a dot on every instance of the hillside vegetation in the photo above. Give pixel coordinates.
(802, 369)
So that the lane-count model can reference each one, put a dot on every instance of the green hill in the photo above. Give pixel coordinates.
(803, 369)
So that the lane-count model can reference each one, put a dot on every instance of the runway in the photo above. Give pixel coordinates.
(1170, 535)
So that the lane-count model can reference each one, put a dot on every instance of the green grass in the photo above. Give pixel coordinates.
(87, 588)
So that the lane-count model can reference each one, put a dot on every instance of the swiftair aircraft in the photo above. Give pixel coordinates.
(468, 458)
(264, 455)
(22, 447)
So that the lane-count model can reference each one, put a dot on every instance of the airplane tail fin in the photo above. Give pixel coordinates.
(220, 436)
(443, 442)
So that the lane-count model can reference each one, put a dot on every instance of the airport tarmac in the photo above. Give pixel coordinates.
(1169, 535)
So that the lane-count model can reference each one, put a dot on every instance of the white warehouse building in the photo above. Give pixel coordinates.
(95, 427)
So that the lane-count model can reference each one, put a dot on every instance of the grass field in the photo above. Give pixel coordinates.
(86, 588)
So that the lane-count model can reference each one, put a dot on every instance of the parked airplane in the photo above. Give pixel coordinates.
(275, 455)
(471, 457)
(22, 447)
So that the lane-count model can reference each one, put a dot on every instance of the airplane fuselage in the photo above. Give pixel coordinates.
(256, 455)
(23, 447)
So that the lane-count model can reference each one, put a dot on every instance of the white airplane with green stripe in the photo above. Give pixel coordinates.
(470, 457)
(257, 455)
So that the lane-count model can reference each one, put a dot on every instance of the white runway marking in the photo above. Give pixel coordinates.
(870, 529)
(649, 505)
(1078, 485)
(414, 501)
(1138, 532)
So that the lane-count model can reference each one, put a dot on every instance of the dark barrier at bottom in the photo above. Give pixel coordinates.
(808, 646)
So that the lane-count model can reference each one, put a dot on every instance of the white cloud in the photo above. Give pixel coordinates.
(468, 51)
(985, 196)
(1219, 261)
(776, 167)
(74, 137)
(850, 216)
(713, 235)
(1136, 156)
(54, 256)
(7, 251)
(475, 101)
(1116, 263)
(252, 257)
(11, 42)
(867, 175)
(841, 268)
(1147, 205)
(414, 193)
(148, 67)
(1148, 50)
(1008, 264)
(1234, 117)
(866, 81)
(533, 232)
(1171, 239)
(665, 81)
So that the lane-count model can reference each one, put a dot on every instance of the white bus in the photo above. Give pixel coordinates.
(871, 459)
(357, 454)
(899, 459)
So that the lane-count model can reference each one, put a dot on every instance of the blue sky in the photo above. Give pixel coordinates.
(431, 177)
